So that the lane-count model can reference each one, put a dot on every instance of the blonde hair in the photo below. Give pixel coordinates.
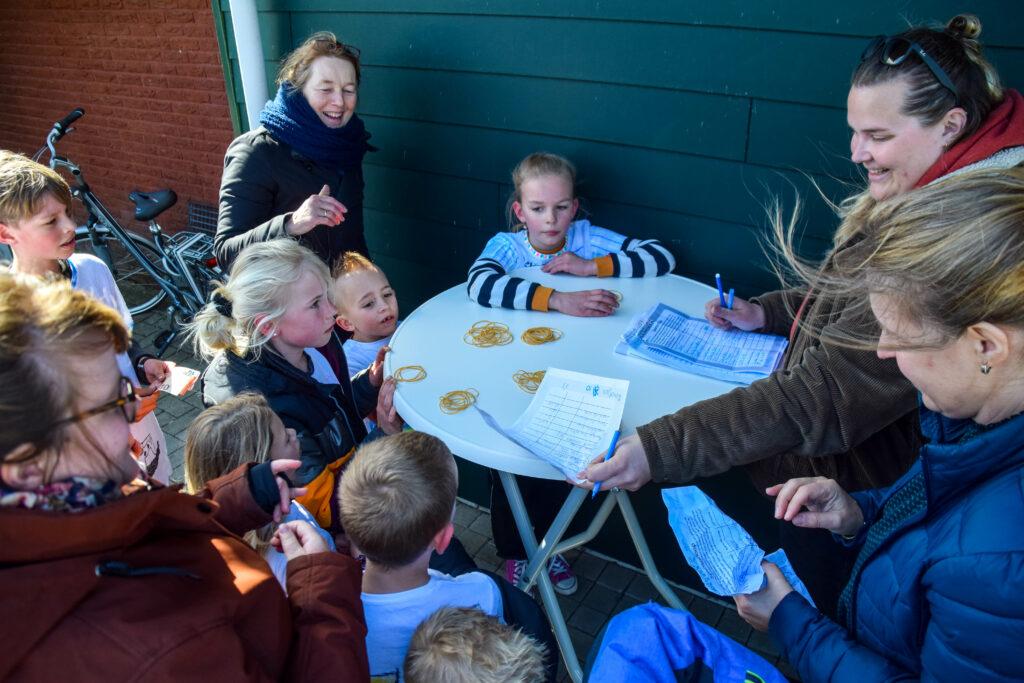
(948, 255)
(464, 645)
(225, 437)
(396, 495)
(257, 292)
(537, 165)
(24, 183)
(295, 67)
(43, 325)
(351, 262)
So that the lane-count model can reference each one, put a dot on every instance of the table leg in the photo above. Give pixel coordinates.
(640, 543)
(540, 555)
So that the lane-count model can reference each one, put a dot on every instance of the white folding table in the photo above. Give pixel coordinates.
(432, 336)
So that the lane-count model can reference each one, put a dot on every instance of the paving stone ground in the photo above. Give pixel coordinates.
(606, 586)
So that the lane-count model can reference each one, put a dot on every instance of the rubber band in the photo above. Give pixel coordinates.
(529, 381)
(420, 373)
(486, 333)
(458, 400)
(540, 335)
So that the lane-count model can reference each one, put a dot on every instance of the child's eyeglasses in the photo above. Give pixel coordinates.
(892, 50)
(126, 401)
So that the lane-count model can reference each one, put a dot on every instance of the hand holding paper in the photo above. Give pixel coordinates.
(179, 380)
(722, 553)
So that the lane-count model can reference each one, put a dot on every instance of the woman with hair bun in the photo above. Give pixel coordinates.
(923, 104)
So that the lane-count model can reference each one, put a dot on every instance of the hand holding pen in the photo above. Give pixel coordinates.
(727, 312)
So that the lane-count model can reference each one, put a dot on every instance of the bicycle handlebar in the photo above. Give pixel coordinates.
(61, 127)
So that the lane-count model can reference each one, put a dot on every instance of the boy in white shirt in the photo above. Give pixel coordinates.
(396, 501)
(367, 308)
(35, 221)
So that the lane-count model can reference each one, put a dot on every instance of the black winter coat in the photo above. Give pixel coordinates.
(264, 181)
(328, 419)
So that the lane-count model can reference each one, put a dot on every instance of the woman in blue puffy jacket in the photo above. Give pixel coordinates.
(936, 591)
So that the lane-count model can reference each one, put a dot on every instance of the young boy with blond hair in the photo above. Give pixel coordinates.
(464, 645)
(35, 222)
(367, 308)
(396, 502)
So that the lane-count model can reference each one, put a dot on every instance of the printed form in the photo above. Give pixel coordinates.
(570, 420)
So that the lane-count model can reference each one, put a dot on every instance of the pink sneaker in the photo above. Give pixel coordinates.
(514, 570)
(562, 578)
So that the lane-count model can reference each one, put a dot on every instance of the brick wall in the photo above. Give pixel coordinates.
(147, 73)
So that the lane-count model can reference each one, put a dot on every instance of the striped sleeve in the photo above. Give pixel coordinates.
(490, 285)
(629, 257)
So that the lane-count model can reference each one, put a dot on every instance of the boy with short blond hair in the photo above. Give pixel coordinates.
(367, 308)
(396, 501)
(464, 645)
(35, 203)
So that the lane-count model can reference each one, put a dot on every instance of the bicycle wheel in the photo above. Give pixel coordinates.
(138, 288)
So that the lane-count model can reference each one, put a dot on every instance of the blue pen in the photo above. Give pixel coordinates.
(608, 454)
(732, 293)
(721, 294)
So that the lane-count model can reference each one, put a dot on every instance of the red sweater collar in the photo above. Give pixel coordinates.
(1003, 128)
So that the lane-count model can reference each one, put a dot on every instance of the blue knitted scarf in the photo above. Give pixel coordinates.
(291, 120)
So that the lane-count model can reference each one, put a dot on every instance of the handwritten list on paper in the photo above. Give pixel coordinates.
(571, 419)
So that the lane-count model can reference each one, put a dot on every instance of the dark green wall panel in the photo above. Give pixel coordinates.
(712, 125)
(794, 136)
(804, 67)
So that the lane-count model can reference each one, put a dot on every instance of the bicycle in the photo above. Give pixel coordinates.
(177, 268)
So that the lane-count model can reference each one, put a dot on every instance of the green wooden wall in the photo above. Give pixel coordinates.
(685, 118)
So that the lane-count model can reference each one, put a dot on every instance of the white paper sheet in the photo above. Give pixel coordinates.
(722, 553)
(571, 419)
(667, 336)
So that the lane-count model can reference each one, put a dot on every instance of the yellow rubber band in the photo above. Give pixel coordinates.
(420, 373)
(458, 400)
(540, 335)
(529, 381)
(486, 333)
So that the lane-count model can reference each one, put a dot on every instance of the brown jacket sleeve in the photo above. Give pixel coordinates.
(779, 307)
(827, 403)
(237, 510)
(328, 626)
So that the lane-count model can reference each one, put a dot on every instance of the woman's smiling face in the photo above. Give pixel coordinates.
(332, 90)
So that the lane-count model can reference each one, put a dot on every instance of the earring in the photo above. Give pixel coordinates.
(986, 368)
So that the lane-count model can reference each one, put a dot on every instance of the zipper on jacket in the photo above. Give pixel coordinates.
(124, 570)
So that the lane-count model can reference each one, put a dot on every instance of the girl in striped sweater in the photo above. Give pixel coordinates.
(544, 203)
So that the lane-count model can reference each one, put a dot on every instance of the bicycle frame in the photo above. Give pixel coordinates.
(98, 213)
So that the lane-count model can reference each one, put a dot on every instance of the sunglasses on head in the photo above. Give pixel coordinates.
(892, 50)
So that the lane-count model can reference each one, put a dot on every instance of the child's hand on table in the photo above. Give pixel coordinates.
(388, 419)
(572, 264)
(627, 468)
(742, 316)
(377, 367)
(590, 303)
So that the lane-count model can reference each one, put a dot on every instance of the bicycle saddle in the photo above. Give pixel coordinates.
(149, 205)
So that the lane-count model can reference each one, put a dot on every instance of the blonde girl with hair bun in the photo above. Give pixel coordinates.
(935, 591)
(240, 430)
(270, 329)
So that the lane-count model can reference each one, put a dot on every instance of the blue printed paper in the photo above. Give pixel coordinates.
(722, 553)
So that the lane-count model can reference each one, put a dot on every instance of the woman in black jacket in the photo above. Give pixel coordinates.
(300, 174)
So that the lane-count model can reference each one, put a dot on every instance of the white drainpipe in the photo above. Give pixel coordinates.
(246, 27)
